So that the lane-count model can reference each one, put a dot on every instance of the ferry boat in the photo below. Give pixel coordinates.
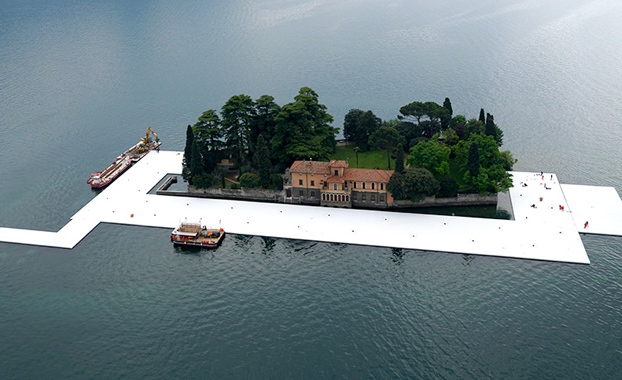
(124, 161)
(196, 235)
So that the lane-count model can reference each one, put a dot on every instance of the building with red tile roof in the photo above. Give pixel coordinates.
(335, 184)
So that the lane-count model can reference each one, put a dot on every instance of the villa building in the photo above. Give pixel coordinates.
(335, 184)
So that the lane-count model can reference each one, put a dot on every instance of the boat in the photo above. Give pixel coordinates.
(124, 161)
(196, 235)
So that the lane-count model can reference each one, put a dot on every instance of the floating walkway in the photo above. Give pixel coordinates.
(541, 232)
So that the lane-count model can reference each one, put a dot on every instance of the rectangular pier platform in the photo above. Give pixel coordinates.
(542, 232)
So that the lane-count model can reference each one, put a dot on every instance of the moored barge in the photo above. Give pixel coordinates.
(196, 235)
(124, 161)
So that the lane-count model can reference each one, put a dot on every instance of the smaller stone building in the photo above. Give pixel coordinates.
(335, 184)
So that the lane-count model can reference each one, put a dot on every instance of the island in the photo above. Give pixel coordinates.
(431, 158)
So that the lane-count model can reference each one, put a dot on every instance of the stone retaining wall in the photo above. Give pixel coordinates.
(459, 200)
(257, 195)
(279, 196)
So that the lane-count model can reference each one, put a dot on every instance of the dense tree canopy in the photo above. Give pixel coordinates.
(237, 117)
(359, 125)
(491, 175)
(507, 160)
(410, 131)
(249, 180)
(414, 184)
(350, 123)
(367, 124)
(428, 147)
(415, 111)
(303, 130)
(458, 119)
(431, 155)
(208, 130)
(263, 122)
(262, 138)
(473, 127)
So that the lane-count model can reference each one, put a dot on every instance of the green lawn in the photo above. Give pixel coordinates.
(366, 160)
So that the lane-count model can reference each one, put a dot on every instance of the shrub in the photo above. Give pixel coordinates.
(277, 181)
(414, 184)
(449, 186)
(249, 180)
(202, 181)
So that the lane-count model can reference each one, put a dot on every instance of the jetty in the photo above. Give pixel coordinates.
(539, 230)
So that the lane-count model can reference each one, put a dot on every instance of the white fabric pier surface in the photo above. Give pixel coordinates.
(543, 232)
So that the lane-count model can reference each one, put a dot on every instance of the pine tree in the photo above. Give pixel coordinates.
(237, 115)
(482, 116)
(263, 121)
(473, 160)
(207, 130)
(399, 159)
(303, 130)
(350, 123)
(367, 124)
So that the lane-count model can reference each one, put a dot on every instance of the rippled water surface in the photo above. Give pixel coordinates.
(80, 83)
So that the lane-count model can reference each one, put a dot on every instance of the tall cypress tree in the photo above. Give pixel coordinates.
(473, 160)
(263, 162)
(482, 116)
(447, 105)
(188, 148)
(399, 159)
(185, 173)
(490, 129)
(196, 163)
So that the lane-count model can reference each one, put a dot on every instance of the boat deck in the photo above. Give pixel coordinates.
(541, 233)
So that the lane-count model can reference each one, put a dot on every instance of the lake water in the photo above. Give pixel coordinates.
(80, 83)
